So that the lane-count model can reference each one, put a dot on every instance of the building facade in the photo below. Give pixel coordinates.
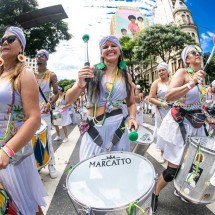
(166, 12)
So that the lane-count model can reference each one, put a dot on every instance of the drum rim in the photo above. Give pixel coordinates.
(116, 208)
(203, 148)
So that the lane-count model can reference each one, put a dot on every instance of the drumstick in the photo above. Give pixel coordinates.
(85, 38)
(133, 135)
(211, 55)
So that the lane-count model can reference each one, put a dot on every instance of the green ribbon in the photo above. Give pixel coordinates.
(190, 178)
(69, 168)
(132, 206)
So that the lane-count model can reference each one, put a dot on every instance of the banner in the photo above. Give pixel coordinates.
(127, 21)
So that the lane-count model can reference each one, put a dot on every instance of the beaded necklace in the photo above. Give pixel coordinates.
(101, 123)
(9, 123)
(40, 77)
(201, 87)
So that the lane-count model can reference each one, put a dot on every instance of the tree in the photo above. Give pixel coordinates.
(46, 36)
(163, 41)
(66, 83)
(127, 48)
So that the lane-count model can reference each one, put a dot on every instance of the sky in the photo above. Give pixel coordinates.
(93, 17)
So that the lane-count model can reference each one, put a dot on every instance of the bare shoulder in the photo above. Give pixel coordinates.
(181, 71)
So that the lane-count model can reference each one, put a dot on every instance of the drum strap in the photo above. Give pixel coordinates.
(94, 134)
(119, 132)
(179, 118)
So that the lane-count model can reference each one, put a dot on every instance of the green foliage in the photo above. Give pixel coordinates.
(46, 36)
(66, 83)
(144, 85)
(162, 41)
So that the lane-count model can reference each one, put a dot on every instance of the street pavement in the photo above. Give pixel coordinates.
(66, 155)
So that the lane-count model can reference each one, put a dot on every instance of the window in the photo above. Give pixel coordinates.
(188, 19)
(184, 19)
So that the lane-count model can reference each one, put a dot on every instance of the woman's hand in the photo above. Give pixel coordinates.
(4, 160)
(199, 76)
(46, 108)
(165, 105)
(132, 122)
(85, 72)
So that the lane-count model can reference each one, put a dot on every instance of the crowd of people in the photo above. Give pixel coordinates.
(107, 100)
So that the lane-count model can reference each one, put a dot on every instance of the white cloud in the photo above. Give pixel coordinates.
(206, 39)
(86, 17)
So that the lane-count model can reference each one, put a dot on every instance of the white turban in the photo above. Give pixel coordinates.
(186, 51)
(163, 65)
(213, 84)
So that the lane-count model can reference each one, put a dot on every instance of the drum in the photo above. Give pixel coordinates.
(40, 146)
(145, 138)
(7, 205)
(195, 180)
(57, 118)
(112, 184)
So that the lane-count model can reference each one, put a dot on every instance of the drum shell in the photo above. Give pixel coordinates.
(145, 138)
(40, 146)
(144, 201)
(57, 118)
(198, 190)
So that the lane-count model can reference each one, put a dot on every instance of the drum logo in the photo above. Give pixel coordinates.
(110, 161)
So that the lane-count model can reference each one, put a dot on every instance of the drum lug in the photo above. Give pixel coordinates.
(64, 187)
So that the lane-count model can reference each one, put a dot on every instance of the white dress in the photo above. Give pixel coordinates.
(160, 112)
(169, 135)
(65, 112)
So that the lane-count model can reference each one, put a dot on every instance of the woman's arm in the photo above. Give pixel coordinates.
(73, 93)
(153, 94)
(181, 84)
(30, 100)
(130, 101)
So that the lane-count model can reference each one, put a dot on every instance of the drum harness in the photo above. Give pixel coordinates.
(179, 113)
(94, 134)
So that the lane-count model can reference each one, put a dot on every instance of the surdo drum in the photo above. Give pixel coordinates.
(40, 146)
(112, 183)
(145, 138)
(195, 180)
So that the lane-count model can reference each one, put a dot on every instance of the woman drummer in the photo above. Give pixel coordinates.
(184, 89)
(110, 84)
(156, 97)
(19, 120)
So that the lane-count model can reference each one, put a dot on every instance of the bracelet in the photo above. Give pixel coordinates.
(9, 150)
(79, 86)
(131, 117)
(50, 102)
(161, 104)
(188, 86)
(2, 148)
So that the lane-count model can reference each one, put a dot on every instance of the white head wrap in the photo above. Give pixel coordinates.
(19, 33)
(45, 52)
(112, 39)
(213, 84)
(163, 65)
(186, 51)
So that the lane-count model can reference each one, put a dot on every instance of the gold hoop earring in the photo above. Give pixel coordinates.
(1, 61)
(21, 57)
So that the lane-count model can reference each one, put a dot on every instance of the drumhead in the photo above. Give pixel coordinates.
(206, 143)
(110, 180)
(42, 127)
(144, 135)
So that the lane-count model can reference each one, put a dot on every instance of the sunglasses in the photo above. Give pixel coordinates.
(40, 55)
(9, 39)
(194, 53)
